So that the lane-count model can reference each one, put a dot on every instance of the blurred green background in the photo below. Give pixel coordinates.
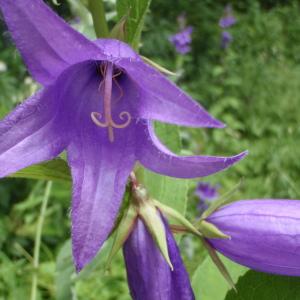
(253, 86)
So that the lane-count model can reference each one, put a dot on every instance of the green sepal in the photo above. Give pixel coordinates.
(122, 232)
(154, 223)
(170, 212)
(210, 231)
(226, 199)
(158, 66)
(118, 32)
(219, 264)
(55, 2)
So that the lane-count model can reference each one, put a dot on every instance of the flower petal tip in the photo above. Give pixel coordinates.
(79, 266)
(239, 157)
(216, 124)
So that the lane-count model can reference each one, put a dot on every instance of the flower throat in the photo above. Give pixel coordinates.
(105, 87)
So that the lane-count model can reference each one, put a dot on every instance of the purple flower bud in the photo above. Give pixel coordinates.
(149, 275)
(226, 39)
(206, 193)
(182, 40)
(228, 19)
(265, 234)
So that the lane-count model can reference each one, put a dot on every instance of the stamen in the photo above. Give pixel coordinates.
(108, 79)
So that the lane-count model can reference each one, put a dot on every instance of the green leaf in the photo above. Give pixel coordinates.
(254, 285)
(136, 11)
(56, 169)
(208, 283)
(64, 271)
(170, 191)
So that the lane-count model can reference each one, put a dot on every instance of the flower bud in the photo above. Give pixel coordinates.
(265, 234)
(149, 275)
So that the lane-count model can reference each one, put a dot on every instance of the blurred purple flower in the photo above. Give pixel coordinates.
(87, 85)
(206, 193)
(182, 40)
(228, 19)
(149, 275)
(226, 39)
(265, 234)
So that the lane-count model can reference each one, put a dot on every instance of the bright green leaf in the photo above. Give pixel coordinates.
(56, 169)
(259, 286)
(208, 283)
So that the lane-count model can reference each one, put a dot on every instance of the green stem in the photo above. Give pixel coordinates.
(96, 7)
(37, 242)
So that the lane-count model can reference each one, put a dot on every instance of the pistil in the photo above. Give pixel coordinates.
(107, 84)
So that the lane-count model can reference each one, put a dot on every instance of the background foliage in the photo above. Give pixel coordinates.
(253, 86)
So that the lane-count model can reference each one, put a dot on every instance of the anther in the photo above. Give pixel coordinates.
(107, 82)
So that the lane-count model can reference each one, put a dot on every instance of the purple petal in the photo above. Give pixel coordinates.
(115, 49)
(99, 174)
(160, 99)
(149, 276)
(265, 234)
(226, 39)
(100, 168)
(31, 133)
(47, 44)
(157, 158)
(227, 21)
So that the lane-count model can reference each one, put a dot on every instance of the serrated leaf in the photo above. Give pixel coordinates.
(208, 283)
(136, 11)
(56, 169)
(255, 285)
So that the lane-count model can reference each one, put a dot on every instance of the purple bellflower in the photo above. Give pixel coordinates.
(228, 18)
(206, 193)
(97, 102)
(149, 275)
(265, 234)
(182, 40)
(225, 22)
(226, 39)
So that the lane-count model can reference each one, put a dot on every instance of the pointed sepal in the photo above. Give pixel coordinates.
(124, 229)
(172, 213)
(157, 66)
(226, 199)
(153, 221)
(118, 32)
(211, 231)
(219, 264)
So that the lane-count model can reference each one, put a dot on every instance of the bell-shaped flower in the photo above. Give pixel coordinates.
(228, 18)
(149, 275)
(264, 234)
(97, 102)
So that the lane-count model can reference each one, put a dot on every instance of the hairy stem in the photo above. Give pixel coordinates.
(96, 7)
(37, 242)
